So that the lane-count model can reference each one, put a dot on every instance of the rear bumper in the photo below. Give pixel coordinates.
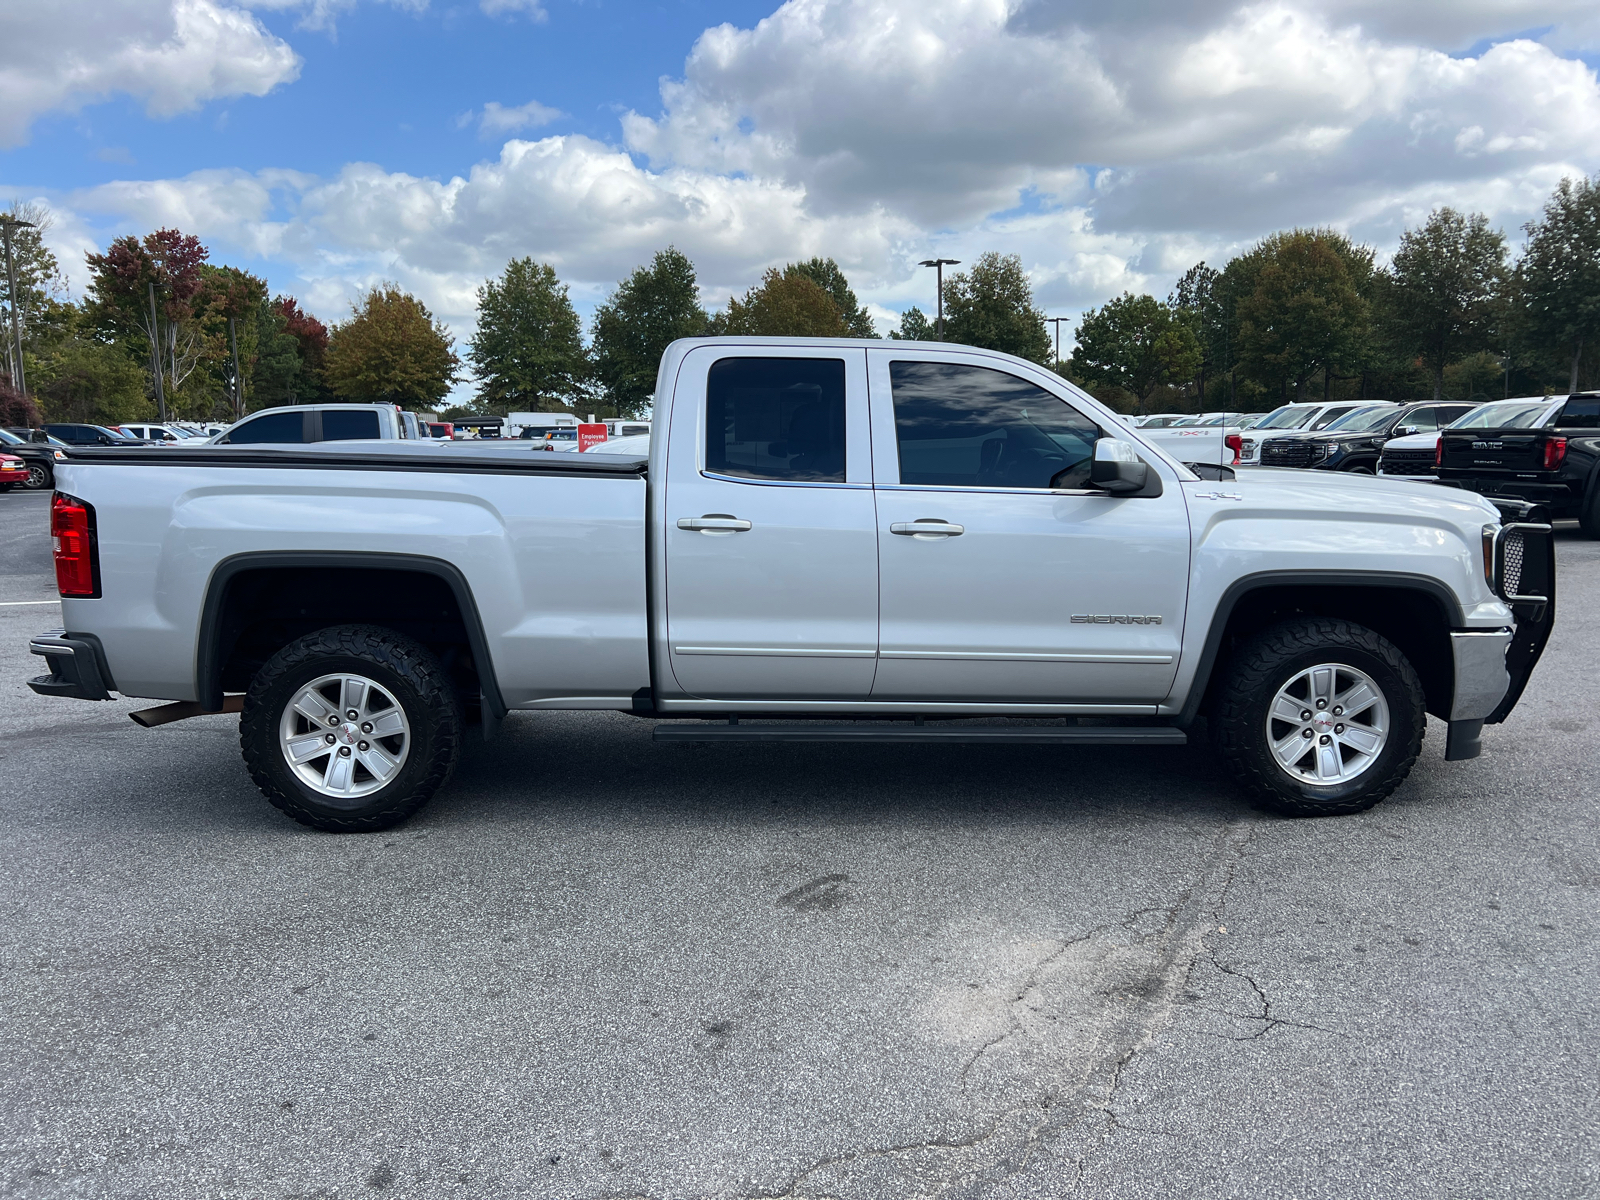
(1559, 498)
(77, 666)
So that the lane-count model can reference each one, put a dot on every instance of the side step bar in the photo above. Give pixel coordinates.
(871, 731)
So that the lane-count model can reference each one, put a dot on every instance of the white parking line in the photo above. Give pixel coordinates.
(20, 603)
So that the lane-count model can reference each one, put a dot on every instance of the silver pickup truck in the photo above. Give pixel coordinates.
(829, 541)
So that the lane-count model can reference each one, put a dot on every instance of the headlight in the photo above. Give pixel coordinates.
(60, 457)
(1319, 451)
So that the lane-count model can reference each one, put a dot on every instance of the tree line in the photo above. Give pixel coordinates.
(1308, 314)
(1302, 314)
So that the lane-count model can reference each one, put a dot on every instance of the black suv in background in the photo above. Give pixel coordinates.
(1552, 461)
(41, 457)
(1353, 442)
(92, 435)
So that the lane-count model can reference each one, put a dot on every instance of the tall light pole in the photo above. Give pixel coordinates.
(939, 264)
(1056, 321)
(8, 222)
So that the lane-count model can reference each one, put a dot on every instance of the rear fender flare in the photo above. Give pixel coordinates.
(208, 651)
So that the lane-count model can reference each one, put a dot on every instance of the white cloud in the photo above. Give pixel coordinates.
(499, 8)
(173, 55)
(499, 121)
(1111, 146)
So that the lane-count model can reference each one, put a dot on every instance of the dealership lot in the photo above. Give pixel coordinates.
(596, 967)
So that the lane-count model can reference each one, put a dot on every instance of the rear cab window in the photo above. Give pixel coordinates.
(1579, 412)
(348, 425)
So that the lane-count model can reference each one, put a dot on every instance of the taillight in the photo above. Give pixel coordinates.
(1438, 453)
(1235, 443)
(1555, 453)
(72, 538)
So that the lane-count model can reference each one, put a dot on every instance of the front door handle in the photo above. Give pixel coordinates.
(927, 527)
(714, 523)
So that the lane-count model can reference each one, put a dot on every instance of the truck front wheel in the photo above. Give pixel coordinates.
(1319, 717)
(351, 729)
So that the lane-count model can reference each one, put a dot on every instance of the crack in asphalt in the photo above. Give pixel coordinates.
(1188, 918)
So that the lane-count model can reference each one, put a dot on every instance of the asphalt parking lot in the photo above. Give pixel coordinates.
(598, 967)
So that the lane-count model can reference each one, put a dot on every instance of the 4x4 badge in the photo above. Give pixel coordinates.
(1218, 496)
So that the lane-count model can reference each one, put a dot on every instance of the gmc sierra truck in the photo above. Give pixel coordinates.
(828, 541)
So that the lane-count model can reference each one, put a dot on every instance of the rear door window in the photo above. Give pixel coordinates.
(270, 427)
(964, 426)
(776, 418)
(346, 425)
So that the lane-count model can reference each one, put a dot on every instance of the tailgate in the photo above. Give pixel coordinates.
(1479, 450)
(1191, 445)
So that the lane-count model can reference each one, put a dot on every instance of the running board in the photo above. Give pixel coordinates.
(1077, 735)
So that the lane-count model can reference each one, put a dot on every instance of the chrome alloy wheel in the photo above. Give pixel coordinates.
(344, 736)
(1328, 724)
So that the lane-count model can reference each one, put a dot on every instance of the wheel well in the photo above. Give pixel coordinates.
(257, 611)
(1415, 621)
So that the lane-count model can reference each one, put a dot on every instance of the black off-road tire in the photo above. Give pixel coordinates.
(407, 671)
(1266, 664)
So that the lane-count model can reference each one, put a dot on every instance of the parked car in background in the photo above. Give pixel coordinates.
(1353, 442)
(1549, 456)
(39, 458)
(1413, 456)
(13, 472)
(165, 435)
(298, 424)
(91, 435)
(1162, 420)
(442, 430)
(1305, 417)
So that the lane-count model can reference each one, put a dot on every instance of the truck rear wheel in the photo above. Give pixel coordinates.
(1589, 514)
(1319, 717)
(351, 729)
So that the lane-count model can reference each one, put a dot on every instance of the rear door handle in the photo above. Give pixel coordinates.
(714, 523)
(927, 527)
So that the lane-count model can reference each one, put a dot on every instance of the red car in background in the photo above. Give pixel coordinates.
(13, 472)
(442, 430)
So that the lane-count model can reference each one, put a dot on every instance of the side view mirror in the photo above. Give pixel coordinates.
(1116, 467)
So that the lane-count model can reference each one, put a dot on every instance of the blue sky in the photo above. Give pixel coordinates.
(331, 144)
(388, 85)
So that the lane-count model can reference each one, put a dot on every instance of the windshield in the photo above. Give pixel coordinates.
(1508, 414)
(7, 438)
(1362, 419)
(1289, 417)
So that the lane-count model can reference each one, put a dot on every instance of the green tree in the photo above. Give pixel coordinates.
(786, 304)
(991, 305)
(391, 349)
(1561, 273)
(83, 378)
(528, 350)
(1305, 312)
(40, 284)
(650, 309)
(1446, 278)
(278, 374)
(1136, 343)
(1197, 302)
(825, 273)
(914, 327)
